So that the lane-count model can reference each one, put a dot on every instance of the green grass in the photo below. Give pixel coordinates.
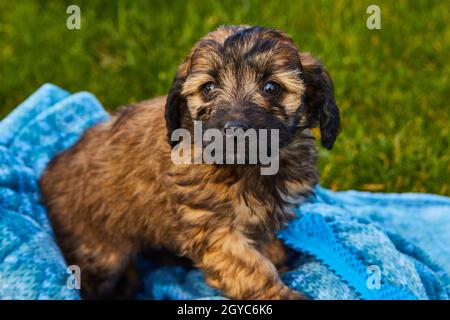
(392, 84)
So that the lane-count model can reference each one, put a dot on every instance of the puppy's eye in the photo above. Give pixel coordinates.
(208, 88)
(271, 89)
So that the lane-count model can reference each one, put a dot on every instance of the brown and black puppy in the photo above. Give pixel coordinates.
(117, 191)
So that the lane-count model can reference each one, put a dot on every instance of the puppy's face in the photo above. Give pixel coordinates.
(252, 78)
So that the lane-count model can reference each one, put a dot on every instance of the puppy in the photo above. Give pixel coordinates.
(116, 191)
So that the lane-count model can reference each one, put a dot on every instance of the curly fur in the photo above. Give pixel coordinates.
(116, 192)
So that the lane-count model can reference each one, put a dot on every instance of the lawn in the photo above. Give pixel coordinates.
(392, 85)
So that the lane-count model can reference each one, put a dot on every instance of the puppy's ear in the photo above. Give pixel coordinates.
(175, 103)
(319, 99)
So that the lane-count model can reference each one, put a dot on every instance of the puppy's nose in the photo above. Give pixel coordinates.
(236, 124)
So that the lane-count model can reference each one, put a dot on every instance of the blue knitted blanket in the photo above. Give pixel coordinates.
(343, 245)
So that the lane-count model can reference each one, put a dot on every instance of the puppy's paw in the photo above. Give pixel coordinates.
(288, 294)
(294, 295)
(283, 293)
